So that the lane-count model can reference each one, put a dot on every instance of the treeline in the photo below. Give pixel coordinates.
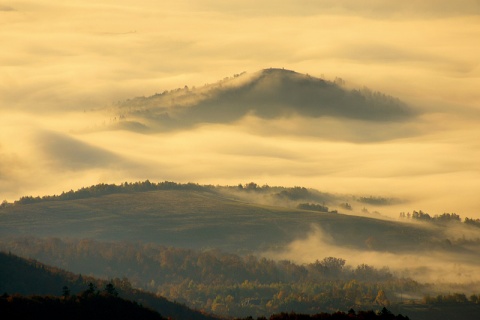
(384, 314)
(453, 298)
(472, 222)
(283, 193)
(442, 218)
(103, 189)
(274, 193)
(314, 207)
(378, 201)
(226, 284)
(294, 196)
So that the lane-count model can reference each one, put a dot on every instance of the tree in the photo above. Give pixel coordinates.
(91, 288)
(332, 263)
(474, 298)
(65, 292)
(346, 206)
(4, 204)
(330, 266)
(382, 299)
(251, 186)
(386, 313)
(110, 289)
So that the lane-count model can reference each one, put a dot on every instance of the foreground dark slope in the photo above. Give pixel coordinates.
(29, 277)
(202, 219)
(92, 307)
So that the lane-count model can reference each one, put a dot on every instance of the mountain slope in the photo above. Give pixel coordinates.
(94, 307)
(267, 94)
(30, 277)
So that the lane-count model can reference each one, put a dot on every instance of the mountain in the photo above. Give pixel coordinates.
(30, 277)
(267, 94)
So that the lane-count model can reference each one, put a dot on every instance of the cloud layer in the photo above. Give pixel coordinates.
(434, 266)
(67, 63)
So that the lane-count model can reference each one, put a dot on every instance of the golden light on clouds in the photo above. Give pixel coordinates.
(65, 64)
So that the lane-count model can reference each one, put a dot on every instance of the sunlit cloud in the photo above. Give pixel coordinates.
(380, 9)
(68, 64)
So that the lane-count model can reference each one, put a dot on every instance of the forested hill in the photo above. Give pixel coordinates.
(244, 218)
(267, 94)
(203, 219)
(30, 277)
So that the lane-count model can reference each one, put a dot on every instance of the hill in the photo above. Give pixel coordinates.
(208, 218)
(29, 277)
(95, 307)
(267, 94)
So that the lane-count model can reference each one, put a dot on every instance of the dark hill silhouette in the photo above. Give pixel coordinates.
(30, 277)
(268, 94)
(93, 307)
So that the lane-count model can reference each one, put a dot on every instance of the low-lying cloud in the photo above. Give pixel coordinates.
(64, 152)
(6, 8)
(433, 171)
(433, 266)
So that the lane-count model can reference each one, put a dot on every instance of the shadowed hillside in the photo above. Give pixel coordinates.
(95, 307)
(203, 218)
(30, 277)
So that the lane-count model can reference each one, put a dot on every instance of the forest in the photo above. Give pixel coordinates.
(231, 285)
(80, 301)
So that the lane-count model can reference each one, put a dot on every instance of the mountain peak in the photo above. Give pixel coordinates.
(281, 71)
(269, 93)
(285, 74)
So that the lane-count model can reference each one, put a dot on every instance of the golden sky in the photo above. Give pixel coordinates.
(61, 58)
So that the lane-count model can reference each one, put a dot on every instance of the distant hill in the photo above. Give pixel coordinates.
(30, 277)
(204, 217)
(268, 94)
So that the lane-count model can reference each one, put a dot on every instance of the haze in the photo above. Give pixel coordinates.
(64, 65)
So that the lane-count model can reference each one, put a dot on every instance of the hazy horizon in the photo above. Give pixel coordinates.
(66, 65)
